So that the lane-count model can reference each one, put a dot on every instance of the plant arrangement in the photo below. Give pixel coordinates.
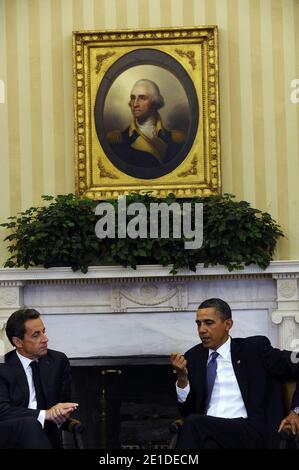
(62, 233)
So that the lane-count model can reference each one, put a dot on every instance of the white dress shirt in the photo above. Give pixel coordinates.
(226, 399)
(32, 397)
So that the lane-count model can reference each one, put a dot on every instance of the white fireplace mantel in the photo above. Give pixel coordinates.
(117, 311)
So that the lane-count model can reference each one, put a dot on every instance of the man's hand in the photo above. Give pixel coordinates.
(290, 422)
(60, 412)
(179, 364)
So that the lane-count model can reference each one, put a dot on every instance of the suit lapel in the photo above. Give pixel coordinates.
(45, 375)
(18, 370)
(200, 376)
(239, 368)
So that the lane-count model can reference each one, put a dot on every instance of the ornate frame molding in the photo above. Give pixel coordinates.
(196, 50)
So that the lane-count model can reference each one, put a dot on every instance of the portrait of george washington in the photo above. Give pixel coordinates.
(145, 118)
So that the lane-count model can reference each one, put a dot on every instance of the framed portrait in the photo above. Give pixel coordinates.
(146, 109)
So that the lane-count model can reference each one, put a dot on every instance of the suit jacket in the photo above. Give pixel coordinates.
(260, 371)
(14, 390)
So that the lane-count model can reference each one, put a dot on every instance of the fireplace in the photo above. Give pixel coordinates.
(123, 323)
(125, 402)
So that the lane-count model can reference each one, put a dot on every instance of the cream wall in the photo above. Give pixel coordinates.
(259, 124)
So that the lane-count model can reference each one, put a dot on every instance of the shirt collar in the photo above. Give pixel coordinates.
(134, 127)
(224, 349)
(25, 361)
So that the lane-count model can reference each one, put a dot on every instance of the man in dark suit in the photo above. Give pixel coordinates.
(230, 389)
(34, 386)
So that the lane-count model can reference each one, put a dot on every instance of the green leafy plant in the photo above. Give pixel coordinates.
(62, 233)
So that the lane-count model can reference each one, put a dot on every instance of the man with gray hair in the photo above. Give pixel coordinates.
(146, 143)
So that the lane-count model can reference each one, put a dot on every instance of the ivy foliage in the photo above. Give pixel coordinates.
(62, 233)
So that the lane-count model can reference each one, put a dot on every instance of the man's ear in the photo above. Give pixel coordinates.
(229, 323)
(17, 342)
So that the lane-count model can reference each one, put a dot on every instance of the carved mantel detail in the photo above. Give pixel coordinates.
(11, 298)
(154, 296)
(11, 294)
(287, 313)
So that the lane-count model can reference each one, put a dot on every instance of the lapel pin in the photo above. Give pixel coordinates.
(239, 361)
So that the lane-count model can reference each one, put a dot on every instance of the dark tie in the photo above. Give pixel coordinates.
(40, 398)
(211, 376)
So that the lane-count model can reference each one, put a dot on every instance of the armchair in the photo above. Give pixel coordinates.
(74, 428)
(287, 439)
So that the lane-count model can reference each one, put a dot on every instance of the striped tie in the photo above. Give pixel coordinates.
(211, 376)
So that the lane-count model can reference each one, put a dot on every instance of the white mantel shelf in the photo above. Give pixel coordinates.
(112, 311)
(143, 272)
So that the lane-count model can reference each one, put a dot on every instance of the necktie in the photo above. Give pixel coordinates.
(211, 375)
(40, 398)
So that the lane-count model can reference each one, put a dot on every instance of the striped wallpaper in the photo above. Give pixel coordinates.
(259, 123)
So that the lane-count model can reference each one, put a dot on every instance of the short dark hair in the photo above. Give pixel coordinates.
(15, 325)
(221, 307)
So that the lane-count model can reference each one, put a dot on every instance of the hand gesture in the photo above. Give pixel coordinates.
(60, 412)
(179, 364)
(290, 422)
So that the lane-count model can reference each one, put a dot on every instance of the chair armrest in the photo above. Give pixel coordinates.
(287, 438)
(175, 426)
(287, 434)
(72, 425)
(75, 427)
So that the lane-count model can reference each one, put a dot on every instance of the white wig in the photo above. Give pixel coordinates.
(153, 91)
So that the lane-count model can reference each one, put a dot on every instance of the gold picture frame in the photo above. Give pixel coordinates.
(115, 151)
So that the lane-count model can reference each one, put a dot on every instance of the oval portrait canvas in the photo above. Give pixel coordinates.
(146, 115)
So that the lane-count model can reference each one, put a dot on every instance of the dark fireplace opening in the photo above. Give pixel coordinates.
(126, 402)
